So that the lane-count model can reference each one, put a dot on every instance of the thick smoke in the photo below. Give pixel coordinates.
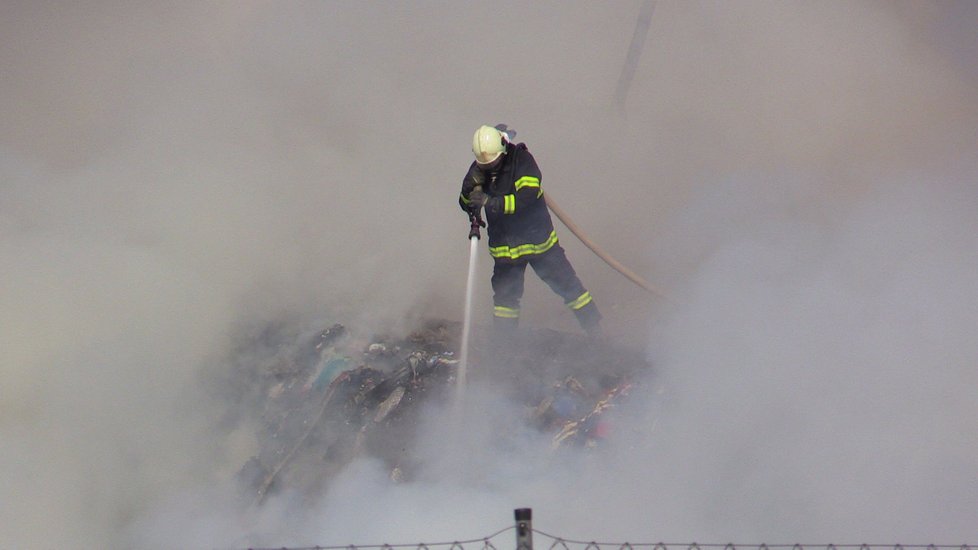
(800, 178)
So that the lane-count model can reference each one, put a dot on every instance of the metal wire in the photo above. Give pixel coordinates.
(565, 544)
(451, 545)
(560, 543)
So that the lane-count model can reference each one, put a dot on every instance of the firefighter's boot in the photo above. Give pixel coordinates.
(503, 339)
(590, 320)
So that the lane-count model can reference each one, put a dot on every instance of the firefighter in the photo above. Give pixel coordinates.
(505, 180)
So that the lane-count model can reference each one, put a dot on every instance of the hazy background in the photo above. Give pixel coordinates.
(799, 177)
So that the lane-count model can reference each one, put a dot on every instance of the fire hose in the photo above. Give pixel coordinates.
(615, 264)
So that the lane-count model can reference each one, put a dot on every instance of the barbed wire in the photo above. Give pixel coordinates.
(485, 544)
(561, 543)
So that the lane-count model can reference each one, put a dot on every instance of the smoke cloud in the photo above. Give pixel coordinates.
(799, 178)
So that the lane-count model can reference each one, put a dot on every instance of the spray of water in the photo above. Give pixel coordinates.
(467, 314)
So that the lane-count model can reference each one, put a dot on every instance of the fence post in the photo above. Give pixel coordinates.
(524, 529)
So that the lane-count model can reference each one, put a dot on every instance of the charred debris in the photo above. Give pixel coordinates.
(326, 397)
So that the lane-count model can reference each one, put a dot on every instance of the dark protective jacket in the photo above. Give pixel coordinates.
(519, 225)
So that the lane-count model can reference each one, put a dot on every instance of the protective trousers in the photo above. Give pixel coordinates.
(554, 269)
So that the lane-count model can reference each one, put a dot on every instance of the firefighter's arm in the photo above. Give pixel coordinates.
(527, 191)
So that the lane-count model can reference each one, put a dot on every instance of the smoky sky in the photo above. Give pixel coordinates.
(800, 179)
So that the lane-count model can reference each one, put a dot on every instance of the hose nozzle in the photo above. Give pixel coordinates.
(475, 222)
(475, 219)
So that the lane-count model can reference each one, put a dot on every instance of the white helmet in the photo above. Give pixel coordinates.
(488, 144)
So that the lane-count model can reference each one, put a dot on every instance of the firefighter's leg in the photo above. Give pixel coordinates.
(555, 270)
(507, 287)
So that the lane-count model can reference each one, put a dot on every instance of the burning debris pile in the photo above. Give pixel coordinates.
(330, 397)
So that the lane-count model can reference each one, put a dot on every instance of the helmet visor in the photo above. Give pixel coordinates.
(491, 164)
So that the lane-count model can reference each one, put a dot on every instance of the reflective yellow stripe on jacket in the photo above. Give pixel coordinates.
(529, 181)
(524, 249)
(509, 201)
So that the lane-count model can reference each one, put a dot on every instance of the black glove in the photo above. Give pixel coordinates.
(477, 199)
(474, 178)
